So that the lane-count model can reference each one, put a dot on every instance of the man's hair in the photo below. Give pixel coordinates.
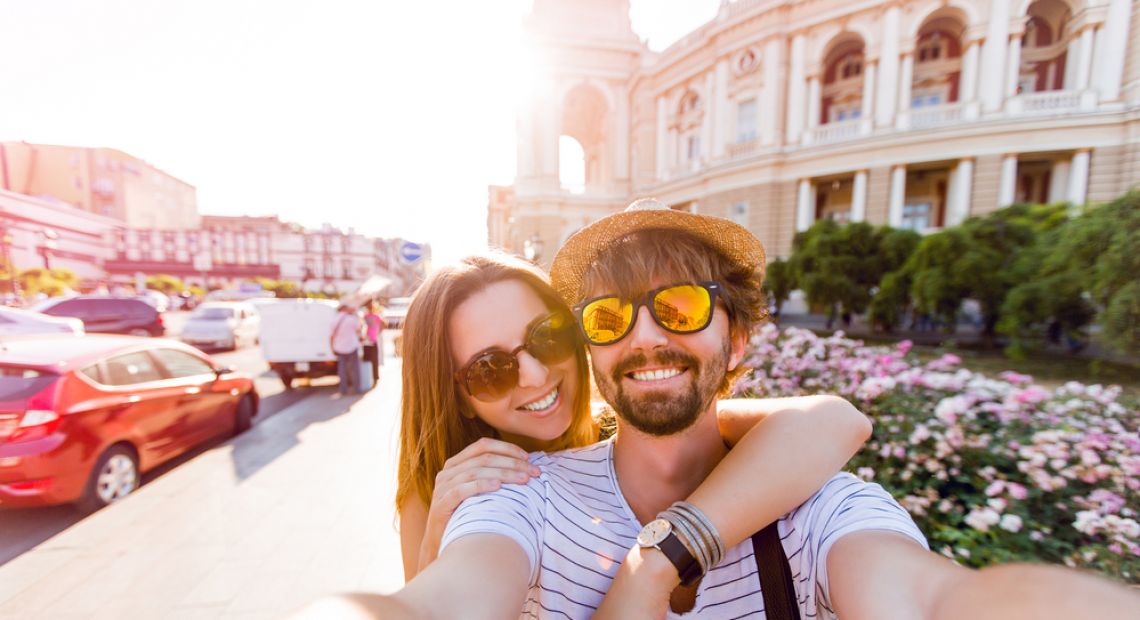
(635, 262)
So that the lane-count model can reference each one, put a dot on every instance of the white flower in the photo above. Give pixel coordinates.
(1010, 523)
(982, 519)
(866, 473)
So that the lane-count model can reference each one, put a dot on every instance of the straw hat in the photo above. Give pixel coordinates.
(741, 247)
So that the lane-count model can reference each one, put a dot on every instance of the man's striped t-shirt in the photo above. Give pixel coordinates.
(576, 528)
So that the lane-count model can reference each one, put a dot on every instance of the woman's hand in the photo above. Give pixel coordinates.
(481, 467)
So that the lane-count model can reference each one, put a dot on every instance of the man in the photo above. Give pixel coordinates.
(344, 340)
(666, 300)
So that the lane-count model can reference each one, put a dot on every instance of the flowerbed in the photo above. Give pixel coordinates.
(992, 469)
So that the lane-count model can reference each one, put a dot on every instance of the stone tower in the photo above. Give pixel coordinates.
(583, 54)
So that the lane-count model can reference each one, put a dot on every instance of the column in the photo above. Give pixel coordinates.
(906, 82)
(993, 56)
(969, 77)
(1110, 66)
(1071, 53)
(1084, 59)
(662, 139)
(551, 128)
(1007, 185)
(618, 161)
(968, 80)
(805, 207)
(707, 121)
(859, 197)
(813, 102)
(888, 69)
(1013, 70)
(1079, 178)
(719, 104)
(958, 207)
(795, 114)
(524, 150)
(866, 115)
(897, 196)
(770, 105)
(1059, 181)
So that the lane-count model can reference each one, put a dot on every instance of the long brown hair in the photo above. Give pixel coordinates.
(433, 427)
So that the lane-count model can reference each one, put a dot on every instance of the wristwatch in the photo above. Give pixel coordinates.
(659, 535)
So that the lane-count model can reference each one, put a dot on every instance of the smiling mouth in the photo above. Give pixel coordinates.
(543, 403)
(659, 374)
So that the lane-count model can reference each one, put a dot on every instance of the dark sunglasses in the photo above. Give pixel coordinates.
(493, 374)
(677, 308)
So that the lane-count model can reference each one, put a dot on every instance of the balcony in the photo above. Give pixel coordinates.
(936, 115)
(1051, 102)
(739, 150)
(834, 132)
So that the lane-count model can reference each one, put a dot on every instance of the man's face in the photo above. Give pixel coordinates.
(660, 382)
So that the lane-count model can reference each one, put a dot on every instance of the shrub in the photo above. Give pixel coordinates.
(991, 469)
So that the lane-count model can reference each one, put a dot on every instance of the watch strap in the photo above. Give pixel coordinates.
(687, 566)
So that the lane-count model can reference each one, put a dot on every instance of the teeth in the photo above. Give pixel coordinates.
(656, 375)
(544, 403)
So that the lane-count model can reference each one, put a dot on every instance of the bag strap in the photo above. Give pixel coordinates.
(775, 575)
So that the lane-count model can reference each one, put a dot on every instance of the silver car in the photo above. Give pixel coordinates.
(222, 325)
(16, 322)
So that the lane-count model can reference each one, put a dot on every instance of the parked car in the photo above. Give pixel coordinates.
(106, 314)
(222, 324)
(15, 322)
(158, 299)
(82, 418)
(295, 338)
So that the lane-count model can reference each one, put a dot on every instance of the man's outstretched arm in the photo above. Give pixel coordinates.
(875, 574)
(477, 576)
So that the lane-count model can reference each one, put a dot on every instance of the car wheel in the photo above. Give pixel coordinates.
(243, 415)
(115, 476)
(138, 331)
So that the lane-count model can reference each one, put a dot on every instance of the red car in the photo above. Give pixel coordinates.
(81, 417)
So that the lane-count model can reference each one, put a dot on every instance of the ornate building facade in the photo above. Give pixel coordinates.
(913, 113)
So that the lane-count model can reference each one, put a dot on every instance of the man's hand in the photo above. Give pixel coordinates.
(641, 587)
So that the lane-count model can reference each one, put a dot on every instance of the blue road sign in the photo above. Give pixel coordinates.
(410, 252)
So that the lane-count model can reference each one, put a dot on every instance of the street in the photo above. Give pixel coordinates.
(300, 505)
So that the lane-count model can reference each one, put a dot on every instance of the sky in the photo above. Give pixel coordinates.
(388, 117)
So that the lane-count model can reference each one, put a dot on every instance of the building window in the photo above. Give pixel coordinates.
(746, 120)
(849, 114)
(916, 216)
(851, 66)
(739, 213)
(693, 147)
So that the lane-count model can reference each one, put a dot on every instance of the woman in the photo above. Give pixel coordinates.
(487, 378)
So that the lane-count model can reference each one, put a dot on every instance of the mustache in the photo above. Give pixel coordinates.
(663, 358)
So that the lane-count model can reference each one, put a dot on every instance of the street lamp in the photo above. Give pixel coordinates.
(47, 245)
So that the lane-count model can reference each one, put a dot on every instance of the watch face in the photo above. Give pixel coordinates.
(654, 532)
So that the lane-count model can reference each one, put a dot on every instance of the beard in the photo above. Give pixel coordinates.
(663, 413)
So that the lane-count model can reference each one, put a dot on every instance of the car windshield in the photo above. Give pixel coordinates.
(213, 314)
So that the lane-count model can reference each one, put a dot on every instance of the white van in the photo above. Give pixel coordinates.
(295, 337)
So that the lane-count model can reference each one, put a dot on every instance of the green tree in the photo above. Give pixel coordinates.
(779, 282)
(1082, 270)
(51, 282)
(839, 266)
(165, 284)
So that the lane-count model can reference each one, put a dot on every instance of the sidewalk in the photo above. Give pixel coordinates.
(300, 506)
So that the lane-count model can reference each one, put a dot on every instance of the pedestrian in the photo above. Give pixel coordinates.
(666, 301)
(373, 339)
(344, 340)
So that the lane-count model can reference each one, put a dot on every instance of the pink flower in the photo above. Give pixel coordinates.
(1018, 492)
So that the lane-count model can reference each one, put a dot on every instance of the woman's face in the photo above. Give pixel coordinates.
(499, 317)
